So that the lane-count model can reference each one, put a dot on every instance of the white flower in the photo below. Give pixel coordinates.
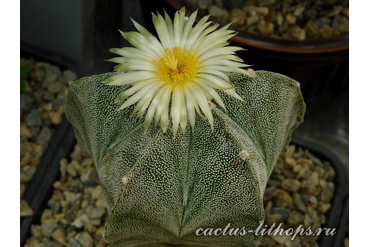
(182, 70)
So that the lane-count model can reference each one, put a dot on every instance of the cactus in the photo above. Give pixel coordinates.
(161, 189)
(167, 188)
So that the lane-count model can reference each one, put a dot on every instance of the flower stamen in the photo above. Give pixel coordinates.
(177, 66)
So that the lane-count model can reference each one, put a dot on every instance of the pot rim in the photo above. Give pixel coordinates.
(315, 46)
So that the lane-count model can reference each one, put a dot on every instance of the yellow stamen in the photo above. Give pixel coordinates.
(172, 63)
(177, 66)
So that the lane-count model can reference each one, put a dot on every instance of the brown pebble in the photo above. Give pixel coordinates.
(283, 199)
(345, 11)
(290, 184)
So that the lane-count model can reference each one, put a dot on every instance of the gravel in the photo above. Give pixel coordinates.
(76, 213)
(289, 19)
(41, 111)
(298, 193)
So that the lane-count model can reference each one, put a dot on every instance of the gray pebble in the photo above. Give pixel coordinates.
(204, 4)
(68, 76)
(216, 12)
(85, 239)
(55, 87)
(343, 23)
(52, 243)
(26, 102)
(270, 193)
(74, 243)
(282, 211)
(51, 70)
(33, 118)
(295, 218)
(30, 172)
(298, 202)
(327, 193)
(54, 205)
(94, 213)
(48, 228)
(24, 178)
(44, 136)
(291, 184)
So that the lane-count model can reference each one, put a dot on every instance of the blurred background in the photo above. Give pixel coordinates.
(77, 34)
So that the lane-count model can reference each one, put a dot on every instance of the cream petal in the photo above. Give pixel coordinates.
(189, 106)
(142, 104)
(223, 62)
(152, 108)
(162, 31)
(169, 25)
(183, 116)
(214, 81)
(202, 101)
(212, 44)
(214, 53)
(196, 31)
(232, 93)
(195, 103)
(136, 67)
(133, 61)
(229, 69)
(151, 38)
(215, 60)
(133, 52)
(138, 40)
(211, 92)
(118, 59)
(125, 52)
(233, 49)
(224, 50)
(163, 108)
(129, 78)
(146, 99)
(194, 40)
(137, 96)
(213, 40)
(208, 96)
(199, 40)
(134, 89)
(164, 114)
(211, 37)
(178, 25)
(188, 26)
(176, 106)
(210, 70)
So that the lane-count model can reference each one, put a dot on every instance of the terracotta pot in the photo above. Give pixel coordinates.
(321, 66)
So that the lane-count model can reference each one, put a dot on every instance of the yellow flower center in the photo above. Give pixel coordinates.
(177, 66)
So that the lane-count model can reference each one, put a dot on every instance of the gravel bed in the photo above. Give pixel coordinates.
(298, 193)
(288, 19)
(41, 111)
(76, 212)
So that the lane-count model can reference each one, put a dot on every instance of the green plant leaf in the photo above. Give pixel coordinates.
(24, 70)
(23, 86)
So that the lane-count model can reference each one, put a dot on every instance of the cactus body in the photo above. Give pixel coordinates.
(161, 190)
